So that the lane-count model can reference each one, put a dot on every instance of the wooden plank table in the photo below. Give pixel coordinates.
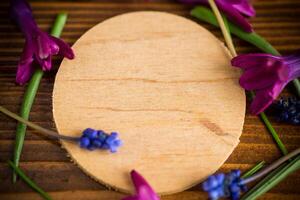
(47, 163)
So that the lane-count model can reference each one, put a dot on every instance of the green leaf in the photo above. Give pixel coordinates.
(30, 94)
(29, 182)
(254, 169)
(207, 15)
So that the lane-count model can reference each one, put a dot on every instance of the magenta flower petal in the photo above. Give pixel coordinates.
(25, 66)
(143, 190)
(234, 15)
(246, 61)
(244, 7)
(254, 79)
(42, 46)
(45, 63)
(265, 97)
(262, 70)
(64, 49)
(267, 75)
(233, 9)
(293, 61)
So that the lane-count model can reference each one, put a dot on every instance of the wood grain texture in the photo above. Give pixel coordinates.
(167, 89)
(43, 159)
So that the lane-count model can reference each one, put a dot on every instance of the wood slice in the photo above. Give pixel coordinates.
(165, 84)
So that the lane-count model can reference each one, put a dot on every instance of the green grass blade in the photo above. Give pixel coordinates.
(254, 169)
(30, 94)
(274, 134)
(272, 179)
(29, 182)
(269, 126)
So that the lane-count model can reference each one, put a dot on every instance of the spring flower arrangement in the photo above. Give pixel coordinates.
(264, 74)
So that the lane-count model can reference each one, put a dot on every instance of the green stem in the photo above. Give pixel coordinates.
(29, 181)
(215, 18)
(254, 169)
(296, 83)
(272, 179)
(30, 94)
(206, 15)
(274, 134)
(269, 126)
(224, 28)
(272, 166)
(36, 127)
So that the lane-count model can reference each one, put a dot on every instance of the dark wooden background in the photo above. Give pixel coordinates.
(47, 163)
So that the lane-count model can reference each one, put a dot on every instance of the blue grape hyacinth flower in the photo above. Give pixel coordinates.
(288, 110)
(92, 139)
(224, 185)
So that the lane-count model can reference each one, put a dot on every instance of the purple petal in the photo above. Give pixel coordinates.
(45, 46)
(64, 49)
(261, 70)
(257, 78)
(234, 16)
(264, 76)
(231, 9)
(143, 189)
(21, 13)
(293, 64)
(25, 66)
(244, 7)
(46, 63)
(24, 73)
(265, 97)
(247, 61)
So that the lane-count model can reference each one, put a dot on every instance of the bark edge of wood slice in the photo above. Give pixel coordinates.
(165, 84)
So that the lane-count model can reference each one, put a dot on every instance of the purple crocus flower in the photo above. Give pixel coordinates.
(234, 10)
(39, 46)
(143, 190)
(267, 75)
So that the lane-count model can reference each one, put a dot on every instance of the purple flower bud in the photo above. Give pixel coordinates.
(90, 133)
(112, 142)
(143, 190)
(84, 142)
(233, 9)
(97, 143)
(39, 46)
(102, 136)
(267, 75)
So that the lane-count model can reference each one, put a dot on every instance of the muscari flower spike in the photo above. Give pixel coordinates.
(267, 75)
(235, 10)
(97, 139)
(143, 190)
(39, 46)
(288, 110)
(224, 185)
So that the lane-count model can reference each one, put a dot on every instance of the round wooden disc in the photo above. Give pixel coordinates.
(165, 84)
